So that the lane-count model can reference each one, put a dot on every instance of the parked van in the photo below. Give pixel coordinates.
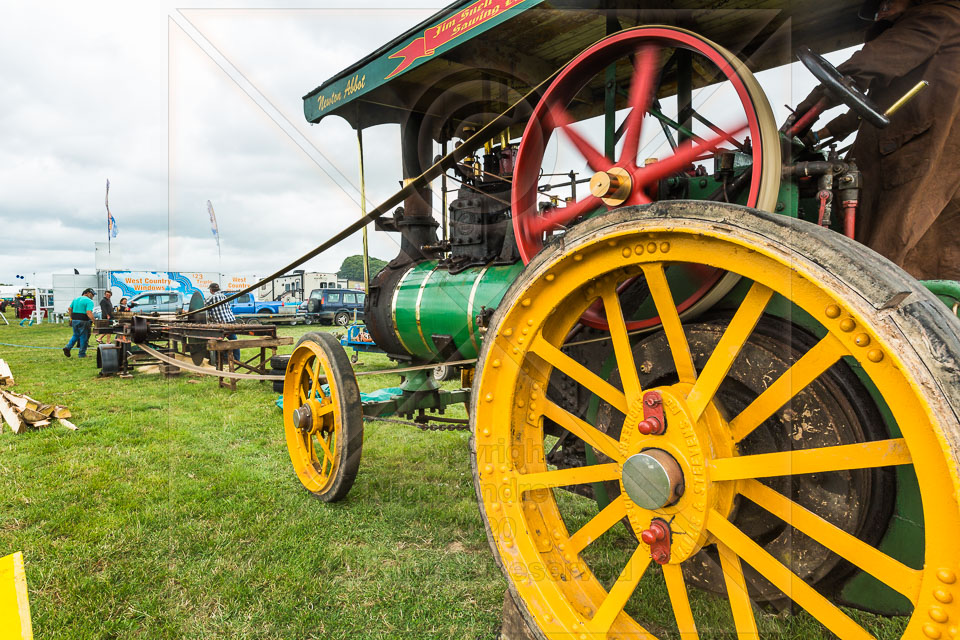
(337, 306)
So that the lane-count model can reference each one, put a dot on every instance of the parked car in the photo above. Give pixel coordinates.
(247, 303)
(159, 302)
(338, 306)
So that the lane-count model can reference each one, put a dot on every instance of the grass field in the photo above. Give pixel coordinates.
(174, 513)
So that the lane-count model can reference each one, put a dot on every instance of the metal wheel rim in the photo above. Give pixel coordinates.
(542, 559)
(316, 467)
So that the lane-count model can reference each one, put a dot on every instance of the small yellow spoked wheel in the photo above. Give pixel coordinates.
(686, 460)
(322, 416)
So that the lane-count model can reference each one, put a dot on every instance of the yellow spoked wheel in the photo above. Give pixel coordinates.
(322, 416)
(687, 473)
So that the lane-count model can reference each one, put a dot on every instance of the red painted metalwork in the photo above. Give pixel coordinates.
(654, 422)
(551, 113)
(657, 537)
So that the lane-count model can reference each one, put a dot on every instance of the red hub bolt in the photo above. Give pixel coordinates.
(651, 426)
(658, 539)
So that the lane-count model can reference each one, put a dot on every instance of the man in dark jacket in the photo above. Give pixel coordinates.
(910, 203)
(106, 313)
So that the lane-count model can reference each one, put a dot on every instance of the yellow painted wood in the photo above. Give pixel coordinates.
(677, 590)
(887, 570)
(559, 360)
(865, 455)
(598, 525)
(828, 614)
(740, 604)
(15, 621)
(670, 318)
(621, 591)
(567, 477)
(621, 343)
(732, 341)
(804, 371)
(583, 430)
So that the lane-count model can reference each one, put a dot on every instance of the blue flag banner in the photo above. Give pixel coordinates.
(111, 222)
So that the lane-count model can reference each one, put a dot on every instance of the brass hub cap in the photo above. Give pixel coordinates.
(666, 475)
(612, 186)
(652, 479)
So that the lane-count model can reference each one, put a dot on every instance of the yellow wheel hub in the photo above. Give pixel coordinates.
(691, 443)
(560, 569)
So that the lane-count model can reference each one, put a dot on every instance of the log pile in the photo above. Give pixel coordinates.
(22, 412)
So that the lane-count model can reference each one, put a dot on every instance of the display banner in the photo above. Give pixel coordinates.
(130, 283)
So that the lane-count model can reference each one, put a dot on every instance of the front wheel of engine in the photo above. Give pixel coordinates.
(686, 461)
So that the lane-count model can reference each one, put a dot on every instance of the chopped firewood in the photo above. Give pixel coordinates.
(11, 416)
(6, 376)
(15, 399)
(32, 416)
(20, 410)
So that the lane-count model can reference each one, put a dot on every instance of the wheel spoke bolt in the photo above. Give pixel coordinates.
(653, 534)
(651, 426)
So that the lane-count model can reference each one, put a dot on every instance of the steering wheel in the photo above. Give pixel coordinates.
(842, 87)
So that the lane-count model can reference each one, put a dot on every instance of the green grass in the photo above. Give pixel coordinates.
(174, 513)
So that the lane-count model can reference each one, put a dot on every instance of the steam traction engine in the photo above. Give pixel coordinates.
(676, 343)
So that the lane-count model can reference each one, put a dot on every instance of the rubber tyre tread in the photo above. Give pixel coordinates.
(927, 335)
(351, 411)
(280, 362)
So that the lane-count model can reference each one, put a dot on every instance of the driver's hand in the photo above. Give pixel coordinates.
(815, 96)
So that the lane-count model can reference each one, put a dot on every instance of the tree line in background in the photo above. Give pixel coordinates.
(352, 267)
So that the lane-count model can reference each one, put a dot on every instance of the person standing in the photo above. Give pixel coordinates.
(81, 318)
(106, 313)
(222, 314)
(910, 209)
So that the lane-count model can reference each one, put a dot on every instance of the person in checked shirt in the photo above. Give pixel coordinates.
(221, 314)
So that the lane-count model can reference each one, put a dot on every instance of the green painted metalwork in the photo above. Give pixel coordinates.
(433, 302)
(947, 290)
(431, 39)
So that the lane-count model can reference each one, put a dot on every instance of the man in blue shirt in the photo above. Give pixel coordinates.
(81, 317)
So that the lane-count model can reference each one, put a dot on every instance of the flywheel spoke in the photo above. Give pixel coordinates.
(864, 455)
(891, 572)
(598, 525)
(740, 605)
(641, 93)
(681, 159)
(727, 349)
(680, 602)
(562, 120)
(670, 319)
(804, 371)
(302, 394)
(562, 362)
(621, 342)
(561, 216)
(621, 591)
(583, 430)
(828, 614)
(323, 410)
(567, 477)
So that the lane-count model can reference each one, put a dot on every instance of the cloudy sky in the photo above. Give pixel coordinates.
(136, 92)
(123, 91)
